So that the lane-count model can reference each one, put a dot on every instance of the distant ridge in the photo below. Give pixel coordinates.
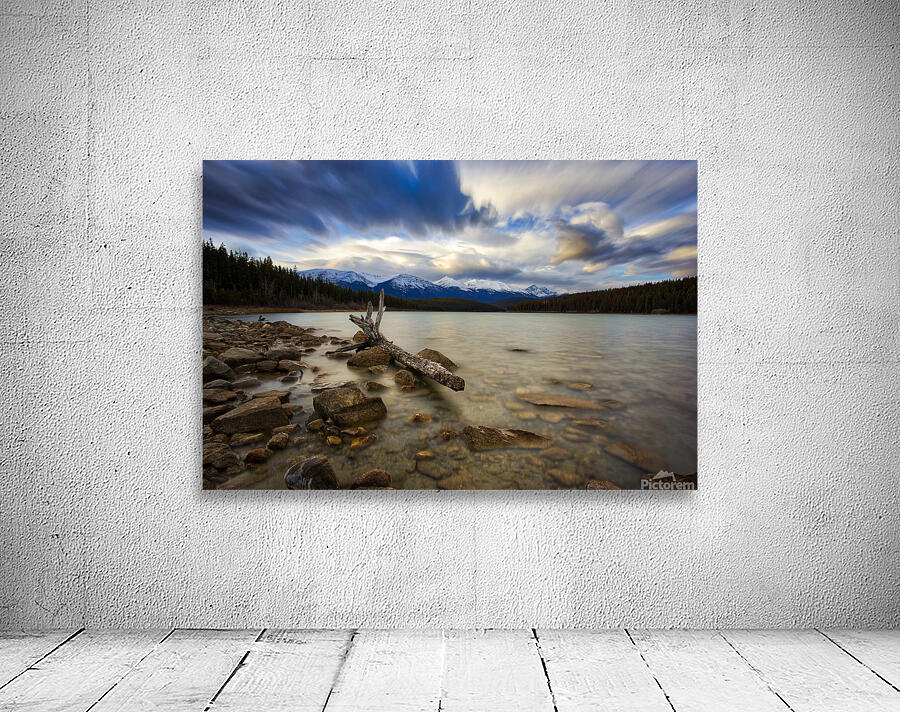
(409, 286)
(673, 296)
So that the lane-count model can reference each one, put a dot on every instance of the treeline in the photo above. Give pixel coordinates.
(675, 296)
(235, 279)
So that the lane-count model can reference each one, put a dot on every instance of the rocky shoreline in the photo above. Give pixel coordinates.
(254, 424)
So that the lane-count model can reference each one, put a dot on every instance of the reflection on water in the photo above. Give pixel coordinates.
(647, 363)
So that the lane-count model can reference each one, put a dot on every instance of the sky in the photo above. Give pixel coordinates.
(570, 225)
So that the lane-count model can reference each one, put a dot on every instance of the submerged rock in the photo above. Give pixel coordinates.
(602, 485)
(636, 455)
(312, 473)
(315, 424)
(260, 454)
(548, 399)
(363, 441)
(406, 379)
(598, 423)
(377, 370)
(242, 439)
(437, 357)
(334, 440)
(419, 419)
(482, 437)
(255, 414)
(566, 478)
(458, 481)
(376, 356)
(372, 478)
(556, 453)
(292, 428)
(375, 386)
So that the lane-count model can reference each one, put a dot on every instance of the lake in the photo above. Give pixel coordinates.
(640, 371)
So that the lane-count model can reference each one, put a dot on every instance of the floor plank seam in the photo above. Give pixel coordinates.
(756, 671)
(650, 670)
(43, 657)
(237, 667)
(842, 648)
(540, 652)
(131, 669)
(340, 667)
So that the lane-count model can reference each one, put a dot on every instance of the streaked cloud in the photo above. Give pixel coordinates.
(579, 225)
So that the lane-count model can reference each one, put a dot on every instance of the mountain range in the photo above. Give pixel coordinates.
(412, 287)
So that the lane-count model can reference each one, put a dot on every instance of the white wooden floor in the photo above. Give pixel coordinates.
(450, 671)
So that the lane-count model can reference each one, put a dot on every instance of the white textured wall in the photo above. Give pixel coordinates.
(108, 110)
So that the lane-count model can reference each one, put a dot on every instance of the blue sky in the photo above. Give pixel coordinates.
(573, 225)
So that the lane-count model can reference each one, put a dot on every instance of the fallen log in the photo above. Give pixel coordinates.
(372, 330)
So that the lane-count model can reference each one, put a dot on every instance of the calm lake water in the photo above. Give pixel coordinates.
(648, 364)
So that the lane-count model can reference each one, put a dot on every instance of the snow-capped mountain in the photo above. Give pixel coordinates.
(412, 287)
(541, 292)
(343, 277)
(408, 285)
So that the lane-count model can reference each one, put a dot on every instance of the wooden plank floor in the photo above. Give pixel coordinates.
(449, 671)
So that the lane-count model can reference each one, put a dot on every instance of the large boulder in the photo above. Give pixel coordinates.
(255, 414)
(348, 406)
(372, 409)
(237, 356)
(314, 473)
(282, 352)
(376, 356)
(482, 437)
(332, 400)
(214, 368)
(437, 357)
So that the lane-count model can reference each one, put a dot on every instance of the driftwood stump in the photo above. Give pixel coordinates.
(372, 330)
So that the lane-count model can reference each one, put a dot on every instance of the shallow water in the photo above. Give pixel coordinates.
(646, 363)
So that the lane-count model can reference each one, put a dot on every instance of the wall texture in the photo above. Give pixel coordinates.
(109, 108)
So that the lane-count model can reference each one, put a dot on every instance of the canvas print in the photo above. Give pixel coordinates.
(450, 325)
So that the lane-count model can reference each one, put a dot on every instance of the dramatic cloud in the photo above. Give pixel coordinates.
(270, 198)
(634, 189)
(472, 265)
(575, 225)
(594, 235)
